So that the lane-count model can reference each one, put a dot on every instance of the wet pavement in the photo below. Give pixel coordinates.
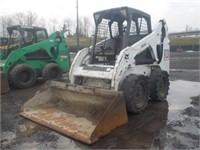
(173, 124)
(182, 130)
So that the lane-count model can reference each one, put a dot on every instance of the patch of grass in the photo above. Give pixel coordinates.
(83, 42)
(184, 40)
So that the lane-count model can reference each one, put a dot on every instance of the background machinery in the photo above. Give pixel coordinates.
(127, 65)
(29, 54)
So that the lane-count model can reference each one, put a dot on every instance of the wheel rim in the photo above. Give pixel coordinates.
(140, 97)
(24, 76)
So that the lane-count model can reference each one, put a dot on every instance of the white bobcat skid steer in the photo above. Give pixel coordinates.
(127, 64)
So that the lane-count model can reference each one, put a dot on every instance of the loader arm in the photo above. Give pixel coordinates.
(126, 58)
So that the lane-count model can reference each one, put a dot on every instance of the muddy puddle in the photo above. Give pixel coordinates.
(27, 128)
(182, 130)
(164, 125)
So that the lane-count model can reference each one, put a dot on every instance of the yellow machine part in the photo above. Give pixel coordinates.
(6, 46)
(4, 83)
(84, 113)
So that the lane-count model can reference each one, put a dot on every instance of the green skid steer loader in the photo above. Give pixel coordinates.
(30, 54)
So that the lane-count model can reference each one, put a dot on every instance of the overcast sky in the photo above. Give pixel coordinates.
(177, 13)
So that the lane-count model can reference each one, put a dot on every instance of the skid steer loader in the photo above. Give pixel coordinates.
(127, 65)
(30, 53)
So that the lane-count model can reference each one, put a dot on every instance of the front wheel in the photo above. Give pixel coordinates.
(136, 93)
(22, 76)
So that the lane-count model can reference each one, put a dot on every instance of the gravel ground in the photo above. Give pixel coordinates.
(173, 124)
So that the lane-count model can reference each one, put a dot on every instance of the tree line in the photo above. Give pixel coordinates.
(30, 18)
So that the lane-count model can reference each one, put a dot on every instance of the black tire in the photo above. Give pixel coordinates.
(136, 93)
(52, 71)
(22, 76)
(159, 85)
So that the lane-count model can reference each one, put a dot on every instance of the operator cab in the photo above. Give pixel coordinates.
(116, 29)
(25, 35)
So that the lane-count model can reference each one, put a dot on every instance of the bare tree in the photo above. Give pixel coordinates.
(6, 21)
(86, 26)
(31, 18)
(41, 22)
(52, 25)
(70, 26)
(3, 27)
(20, 18)
(81, 31)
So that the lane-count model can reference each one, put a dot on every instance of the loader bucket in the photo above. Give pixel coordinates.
(81, 112)
(4, 83)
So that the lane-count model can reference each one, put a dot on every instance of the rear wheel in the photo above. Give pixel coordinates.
(52, 71)
(159, 85)
(22, 76)
(136, 92)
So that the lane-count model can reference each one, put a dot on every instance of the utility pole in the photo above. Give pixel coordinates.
(77, 28)
(186, 28)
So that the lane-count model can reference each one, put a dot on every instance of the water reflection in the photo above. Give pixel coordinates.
(183, 118)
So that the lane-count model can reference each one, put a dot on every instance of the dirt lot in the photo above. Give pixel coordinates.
(173, 124)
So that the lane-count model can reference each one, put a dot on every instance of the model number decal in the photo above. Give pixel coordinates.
(166, 54)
